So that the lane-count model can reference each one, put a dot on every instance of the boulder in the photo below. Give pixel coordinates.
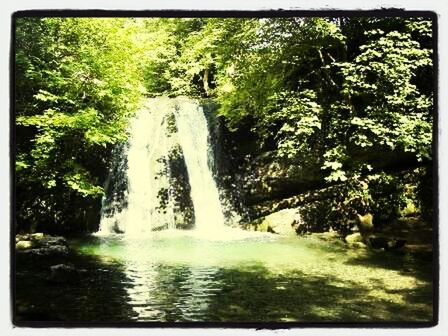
(52, 241)
(38, 244)
(56, 250)
(37, 236)
(283, 222)
(359, 245)
(24, 244)
(354, 238)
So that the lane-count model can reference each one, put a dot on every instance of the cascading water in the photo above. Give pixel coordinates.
(193, 138)
(146, 175)
(157, 130)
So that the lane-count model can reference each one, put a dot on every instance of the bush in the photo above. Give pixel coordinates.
(382, 195)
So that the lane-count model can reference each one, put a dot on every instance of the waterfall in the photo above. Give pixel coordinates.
(193, 138)
(163, 131)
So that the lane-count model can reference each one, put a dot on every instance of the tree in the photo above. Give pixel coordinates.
(321, 93)
(349, 96)
(77, 82)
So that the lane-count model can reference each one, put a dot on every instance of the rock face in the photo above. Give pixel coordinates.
(268, 182)
(267, 177)
(283, 222)
(267, 207)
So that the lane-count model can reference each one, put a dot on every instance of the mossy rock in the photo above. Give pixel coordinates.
(354, 238)
(358, 245)
(282, 222)
(37, 236)
(24, 245)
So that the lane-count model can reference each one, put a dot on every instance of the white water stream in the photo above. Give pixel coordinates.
(193, 138)
(148, 172)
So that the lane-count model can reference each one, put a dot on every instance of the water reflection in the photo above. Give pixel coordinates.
(180, 277)
(167, 292)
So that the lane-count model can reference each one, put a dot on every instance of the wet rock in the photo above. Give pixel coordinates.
(38, 244)
(63, 273)
(52, 241)
(30, 236)
(56, 250)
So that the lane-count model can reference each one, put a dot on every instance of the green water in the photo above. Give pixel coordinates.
(177, 276)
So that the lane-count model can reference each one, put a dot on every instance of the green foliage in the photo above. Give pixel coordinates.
(320, 91)
(279, 73)
(298, 116)
(77, 82)
(423, 193)
(388, 109)
(325, 93)
(388, 193)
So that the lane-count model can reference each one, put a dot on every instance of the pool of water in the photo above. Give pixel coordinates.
(178, 276)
